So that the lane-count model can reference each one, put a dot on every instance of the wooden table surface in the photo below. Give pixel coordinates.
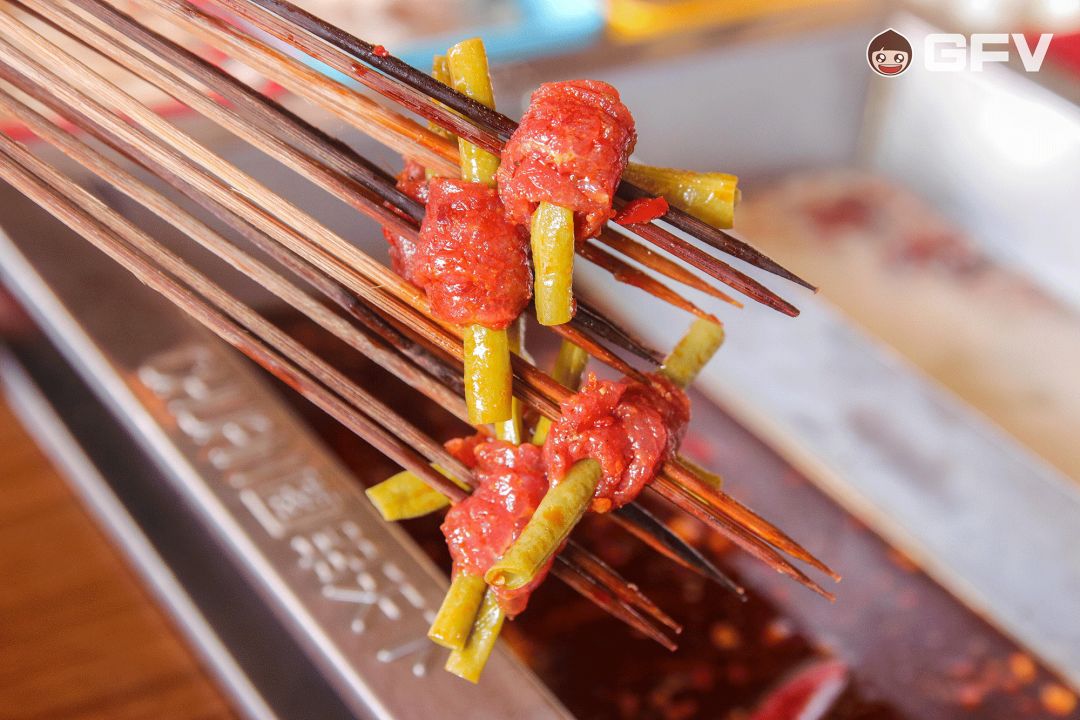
(79, 635)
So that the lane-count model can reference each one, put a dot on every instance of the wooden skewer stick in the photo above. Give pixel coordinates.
(670, 491)
(109, 232)
(112, 233)
(387, 126)
(199, 232)
(654, 261)
(265, 60)
(687, 478)
(254, 111)
(626, 273)
(490, 129)
(530, 382)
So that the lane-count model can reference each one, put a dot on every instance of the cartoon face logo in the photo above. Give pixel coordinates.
(889, 54)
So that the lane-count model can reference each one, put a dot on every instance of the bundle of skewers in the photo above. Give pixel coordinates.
(485, 223)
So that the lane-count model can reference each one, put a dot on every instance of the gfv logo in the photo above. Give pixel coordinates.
(890, 53)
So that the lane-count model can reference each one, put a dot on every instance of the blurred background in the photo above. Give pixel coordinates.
(918, 425)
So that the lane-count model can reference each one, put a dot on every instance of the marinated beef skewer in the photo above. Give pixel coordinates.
(122, 241)
(534, 397)
(490, 128)
(308, 84)
(190, 224)
(390, 304)
(405, 496)
(183, 12)
(609, 442)
(260, 112)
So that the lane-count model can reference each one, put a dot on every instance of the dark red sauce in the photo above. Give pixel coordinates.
(570, 149)
(511, 483)
(628, 427)
(403, 251)
(642, 210)
(473, 262)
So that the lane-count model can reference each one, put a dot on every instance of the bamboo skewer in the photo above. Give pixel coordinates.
(109, 232)
(585, 585)
(129, 36)
(183, 12)
(284, 29)
(673, 493)
(212, 181)
(389, 127)
(650, 530)
(630, 275)
(247, 318)
(714, 268)
(255, 112)
(319, 89)
(118, 238)
(204, 235)
(490, 129)
(659, 263)
(683, 474)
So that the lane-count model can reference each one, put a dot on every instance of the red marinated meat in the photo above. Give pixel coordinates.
(412, 181)
(570, 149)
(630, 428)
(473, 262)
(464, 448)
(511, 482)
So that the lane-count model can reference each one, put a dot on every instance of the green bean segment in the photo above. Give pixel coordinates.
(468, 662)
(550, 525)
(488, 375)
(693, 351)
(552, 237)
(468, 66)
(710, 197)
(512, 430)
(405, 496)
(454, 621)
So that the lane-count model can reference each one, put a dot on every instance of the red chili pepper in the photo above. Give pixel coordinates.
(807, 695)
(380, 51)
(642, 210)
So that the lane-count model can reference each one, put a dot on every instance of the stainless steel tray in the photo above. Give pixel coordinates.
(267, 510)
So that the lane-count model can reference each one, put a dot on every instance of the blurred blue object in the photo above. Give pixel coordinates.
(535, 27)
(512, 30)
